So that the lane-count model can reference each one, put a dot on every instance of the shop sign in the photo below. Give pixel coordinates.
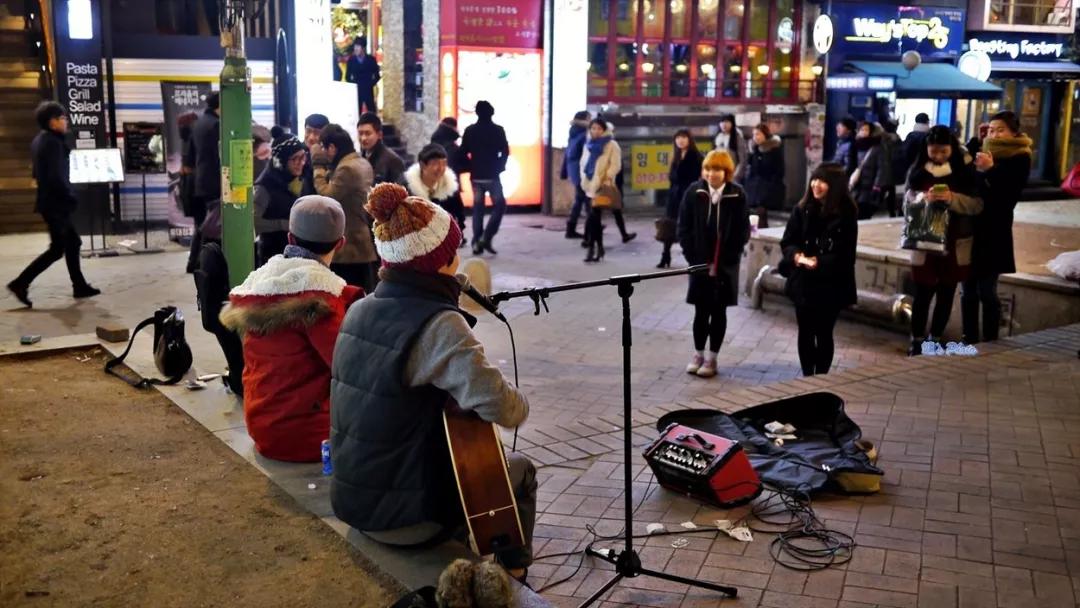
(1018, 46)
(492, 23)
(650, 164)
(860, 82)
(785, 35)
(823, 34)
(79, 75)
(869, 29)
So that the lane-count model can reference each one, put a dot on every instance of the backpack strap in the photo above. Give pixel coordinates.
(111, 363)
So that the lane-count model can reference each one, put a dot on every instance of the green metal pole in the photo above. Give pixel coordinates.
(237, 219)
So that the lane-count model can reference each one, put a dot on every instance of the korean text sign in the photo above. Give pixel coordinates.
(492, 23)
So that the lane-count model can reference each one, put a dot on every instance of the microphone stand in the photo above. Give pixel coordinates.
(627, 562)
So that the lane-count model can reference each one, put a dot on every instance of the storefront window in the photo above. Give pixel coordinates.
(1031, 12)
(759, 20)
(625, 57)
(707, 71)
(694, 56)
(652, 70)
(732, 76)
(626, 17)
(654, 18)
(733, 19)
(680, 18)
(598, 69)
(759, 71)
(680, 71)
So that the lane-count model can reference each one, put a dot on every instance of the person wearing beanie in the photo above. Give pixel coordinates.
(403, 353)
(280, 184)
(486, 149)
(571, 170)
(432, 179)
(288, 313)
(446, 135)
(348, 179)
(845, 140)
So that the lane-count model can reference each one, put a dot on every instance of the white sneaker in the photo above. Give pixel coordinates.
(707, 369)
(695, 364)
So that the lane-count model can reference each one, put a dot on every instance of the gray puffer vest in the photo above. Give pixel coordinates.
(391, 462)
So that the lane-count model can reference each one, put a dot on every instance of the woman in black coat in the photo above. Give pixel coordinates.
(1005, 162)
(873, 173)
(685, 170)
(764, 179)
(713, 229)
(819, 263)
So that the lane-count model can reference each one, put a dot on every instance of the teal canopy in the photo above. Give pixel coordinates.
(930, 80)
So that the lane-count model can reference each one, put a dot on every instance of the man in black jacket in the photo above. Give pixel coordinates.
(55, 202)
(387, 165)
(914, 143)
(363, 70)
(485, 145)
(205, 138)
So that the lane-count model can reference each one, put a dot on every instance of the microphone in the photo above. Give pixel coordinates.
(475, 295)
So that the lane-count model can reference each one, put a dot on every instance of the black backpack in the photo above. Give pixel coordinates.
(172, 355)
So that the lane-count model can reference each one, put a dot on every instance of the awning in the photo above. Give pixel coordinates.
(1040, 67)
(930, 80)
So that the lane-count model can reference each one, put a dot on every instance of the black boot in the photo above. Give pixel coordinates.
(486, 245)
(571, 231)
(665, 260)
(478, 246)
(591, 256)
(21, 293)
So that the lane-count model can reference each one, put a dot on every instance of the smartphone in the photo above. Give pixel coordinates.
(939, 189)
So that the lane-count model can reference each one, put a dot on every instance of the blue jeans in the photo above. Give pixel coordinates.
(976, 291)
(481, 188)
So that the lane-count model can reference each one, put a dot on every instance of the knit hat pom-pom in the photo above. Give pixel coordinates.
(384, 200)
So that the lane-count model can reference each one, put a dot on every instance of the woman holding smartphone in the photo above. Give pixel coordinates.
(819, 263)
(941, 175)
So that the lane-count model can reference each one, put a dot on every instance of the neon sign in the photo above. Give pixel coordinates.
(872, 30)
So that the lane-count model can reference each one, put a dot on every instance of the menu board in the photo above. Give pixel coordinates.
(95, 166)
(144, 147)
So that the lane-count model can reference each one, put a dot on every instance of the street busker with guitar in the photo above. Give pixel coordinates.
(404, 355)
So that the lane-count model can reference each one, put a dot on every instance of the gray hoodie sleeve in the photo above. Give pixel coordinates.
(448, 356)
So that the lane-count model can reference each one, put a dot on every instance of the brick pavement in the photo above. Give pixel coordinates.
(980, 503)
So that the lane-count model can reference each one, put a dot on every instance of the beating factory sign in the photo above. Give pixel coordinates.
(1018, 46)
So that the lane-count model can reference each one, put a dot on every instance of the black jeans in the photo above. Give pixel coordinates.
(198, 216)
(943, 293)
(481, 188)
(64, 242)
(581, 205)
(710, 325)
(816, 338)
(982, 291)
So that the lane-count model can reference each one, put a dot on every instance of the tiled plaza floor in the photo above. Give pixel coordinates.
(569, 360)
(979, 507)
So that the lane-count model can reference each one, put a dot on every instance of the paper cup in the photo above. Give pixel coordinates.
(754, 221)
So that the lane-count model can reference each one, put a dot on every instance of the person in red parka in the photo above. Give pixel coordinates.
(289, 312)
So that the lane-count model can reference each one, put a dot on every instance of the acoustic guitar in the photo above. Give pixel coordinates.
(487, 497)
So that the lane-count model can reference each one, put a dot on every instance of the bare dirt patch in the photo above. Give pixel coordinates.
(113, 496)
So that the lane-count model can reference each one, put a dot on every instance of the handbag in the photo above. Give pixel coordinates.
(665, 230)
(172, 355)
(607, 197)
(1071, 184)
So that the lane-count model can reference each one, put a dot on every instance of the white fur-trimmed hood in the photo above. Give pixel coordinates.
(282, 276)
(445, 188)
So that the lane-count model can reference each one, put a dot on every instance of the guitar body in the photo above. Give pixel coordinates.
(487, 497)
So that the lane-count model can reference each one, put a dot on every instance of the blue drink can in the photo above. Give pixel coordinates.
(327, 465)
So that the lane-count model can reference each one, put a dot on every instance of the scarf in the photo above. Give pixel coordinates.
(938, 171)
(596, 149)
(296, 251)
(1007, 147)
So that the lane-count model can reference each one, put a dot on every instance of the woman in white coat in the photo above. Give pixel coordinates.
(601, 162)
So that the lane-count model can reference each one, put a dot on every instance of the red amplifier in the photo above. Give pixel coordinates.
(704, 466)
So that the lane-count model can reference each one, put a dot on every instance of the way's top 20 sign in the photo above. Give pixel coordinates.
(889, 30)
